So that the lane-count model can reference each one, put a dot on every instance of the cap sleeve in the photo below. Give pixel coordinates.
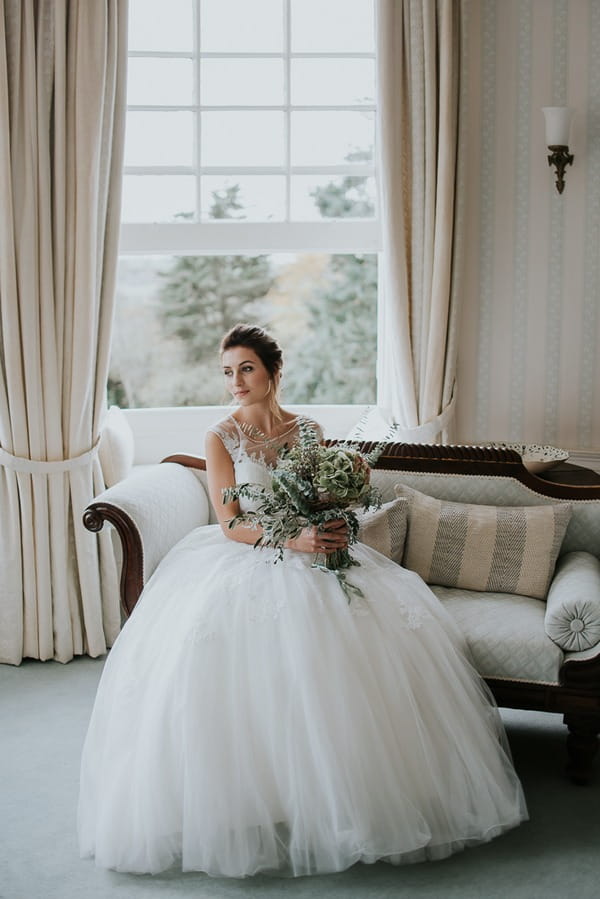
(228, 434)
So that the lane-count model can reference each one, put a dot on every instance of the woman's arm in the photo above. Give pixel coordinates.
(220, 474)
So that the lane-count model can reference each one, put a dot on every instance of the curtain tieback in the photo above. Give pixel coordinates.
(428, 431)
(32, 466)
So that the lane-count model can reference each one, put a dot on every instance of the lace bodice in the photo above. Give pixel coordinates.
(253, 457)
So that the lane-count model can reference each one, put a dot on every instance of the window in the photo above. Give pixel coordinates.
(248, 193)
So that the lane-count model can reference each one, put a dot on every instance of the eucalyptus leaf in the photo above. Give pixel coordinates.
(311, 484)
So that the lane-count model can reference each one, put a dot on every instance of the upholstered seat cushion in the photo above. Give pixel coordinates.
(505, 634)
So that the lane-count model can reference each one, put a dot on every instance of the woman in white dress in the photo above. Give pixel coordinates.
(249, 718)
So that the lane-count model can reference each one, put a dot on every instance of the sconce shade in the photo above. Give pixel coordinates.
(558, 125)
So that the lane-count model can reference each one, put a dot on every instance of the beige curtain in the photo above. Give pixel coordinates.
(62, 97)
(418, 89)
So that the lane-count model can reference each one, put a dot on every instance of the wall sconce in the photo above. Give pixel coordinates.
(558, 126)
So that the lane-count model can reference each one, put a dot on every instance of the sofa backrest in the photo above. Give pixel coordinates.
(492, 477)
(488, 476)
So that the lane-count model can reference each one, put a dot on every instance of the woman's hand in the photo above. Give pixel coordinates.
(329, 537)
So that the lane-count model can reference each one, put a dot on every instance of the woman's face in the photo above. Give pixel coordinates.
(246, 378)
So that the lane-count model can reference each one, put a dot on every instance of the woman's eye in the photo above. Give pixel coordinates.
(248, 368)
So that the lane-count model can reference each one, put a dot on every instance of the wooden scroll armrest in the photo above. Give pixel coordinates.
(132, 553)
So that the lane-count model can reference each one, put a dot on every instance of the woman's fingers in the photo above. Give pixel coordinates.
(325, 539)
(317, 540)
(336, 533)
(331, 536)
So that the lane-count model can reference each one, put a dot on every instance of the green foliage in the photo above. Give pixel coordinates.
(116, 395)
(166, 339)
(335, 360)
(202, 297)
(311, 484)
(347, 198)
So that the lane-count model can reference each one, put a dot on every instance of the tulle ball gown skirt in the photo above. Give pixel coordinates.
(250, 718)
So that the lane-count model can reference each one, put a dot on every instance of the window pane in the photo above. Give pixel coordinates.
(235, 26)
(158, 198)
(160, 82)
(331, 138)
(254, 198)
(329, 25)
(241, 82)
(160, 25)
(315, 198)
(242, 138)
(159, 138)
(323, 82)
(172, 312)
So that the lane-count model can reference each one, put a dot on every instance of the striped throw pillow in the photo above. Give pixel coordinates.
(502, 549)
(384, 529)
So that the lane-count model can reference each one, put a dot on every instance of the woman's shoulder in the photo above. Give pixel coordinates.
(228, 431)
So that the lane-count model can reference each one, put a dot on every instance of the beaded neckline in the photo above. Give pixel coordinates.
(251, 432)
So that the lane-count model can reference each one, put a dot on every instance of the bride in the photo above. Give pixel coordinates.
(250, 719)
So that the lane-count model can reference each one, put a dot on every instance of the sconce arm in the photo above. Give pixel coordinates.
(560, 158)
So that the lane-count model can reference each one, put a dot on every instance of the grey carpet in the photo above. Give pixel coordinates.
(44, 708)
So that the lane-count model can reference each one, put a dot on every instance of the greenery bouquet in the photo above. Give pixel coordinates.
(311, 484)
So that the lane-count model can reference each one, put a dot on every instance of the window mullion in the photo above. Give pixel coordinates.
(245, 54)
(239, 237)
(286, 171)
(330, 170)
(363, 107)
(287, 20)
(198, 103)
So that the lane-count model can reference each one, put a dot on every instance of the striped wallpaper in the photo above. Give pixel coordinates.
(530, 320)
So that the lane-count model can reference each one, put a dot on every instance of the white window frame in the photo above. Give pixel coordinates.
(241, 237)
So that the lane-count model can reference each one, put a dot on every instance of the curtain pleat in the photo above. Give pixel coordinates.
(418, 48)
(62, 113)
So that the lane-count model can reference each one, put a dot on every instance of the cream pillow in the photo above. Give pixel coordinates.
(116, 448)
(502, 549)
(385, 529)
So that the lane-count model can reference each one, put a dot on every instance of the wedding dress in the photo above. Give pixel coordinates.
(250, 718)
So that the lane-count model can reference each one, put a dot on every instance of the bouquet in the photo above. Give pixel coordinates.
(311, 484)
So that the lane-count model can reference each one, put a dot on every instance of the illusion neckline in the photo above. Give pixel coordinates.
(260, 436)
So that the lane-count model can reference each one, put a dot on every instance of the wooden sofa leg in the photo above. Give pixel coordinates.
(582, 746)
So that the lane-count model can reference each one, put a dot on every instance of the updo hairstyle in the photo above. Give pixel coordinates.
(266, 348)
(254, 338)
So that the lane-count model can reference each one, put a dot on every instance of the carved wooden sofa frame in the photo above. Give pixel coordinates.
(576, 695)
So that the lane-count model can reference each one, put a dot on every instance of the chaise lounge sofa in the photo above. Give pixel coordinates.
(539, 651)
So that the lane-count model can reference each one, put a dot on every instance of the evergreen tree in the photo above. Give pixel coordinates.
(204, 296)
(335, 361)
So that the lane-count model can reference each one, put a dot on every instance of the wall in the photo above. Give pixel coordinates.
(530, 322)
